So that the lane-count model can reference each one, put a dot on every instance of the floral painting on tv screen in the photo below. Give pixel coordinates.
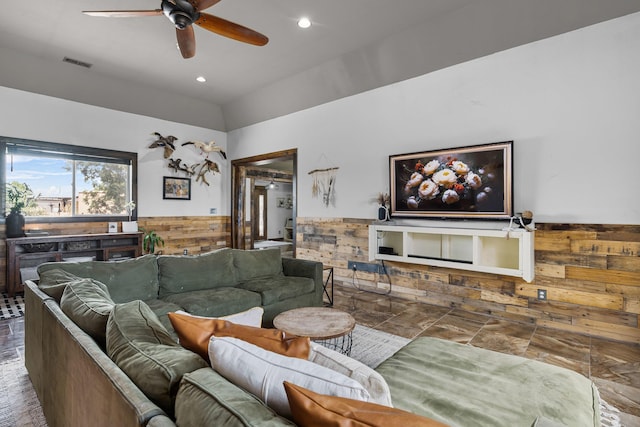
(464, 182)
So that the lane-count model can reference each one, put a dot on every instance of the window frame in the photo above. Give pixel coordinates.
(71, 152)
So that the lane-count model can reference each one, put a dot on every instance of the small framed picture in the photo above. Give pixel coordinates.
(280, 202)
(113, 227)
(176, 188)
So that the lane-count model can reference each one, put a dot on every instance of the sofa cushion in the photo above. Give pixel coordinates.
(88, 304)
(273, 289)
(205, 398)
(311, 409)
(354, 369)
(262, 372)
(215, 302)
(126, 280)
(195, 333)
(185, 273)
(52, 282)
(257, 263)
(144, 350)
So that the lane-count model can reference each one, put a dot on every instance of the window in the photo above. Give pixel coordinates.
(68, 182)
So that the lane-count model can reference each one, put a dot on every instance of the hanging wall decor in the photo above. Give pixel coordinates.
(324, 183)
(176, 188)
(164, 142)
(200, 170)
(207, 147)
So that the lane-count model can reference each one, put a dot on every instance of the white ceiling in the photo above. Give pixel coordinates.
(353, 46)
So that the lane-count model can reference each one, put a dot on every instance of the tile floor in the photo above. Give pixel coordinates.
(11, 339)
(613, 366)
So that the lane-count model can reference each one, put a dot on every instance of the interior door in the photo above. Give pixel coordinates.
(241, 172)
(259, 213)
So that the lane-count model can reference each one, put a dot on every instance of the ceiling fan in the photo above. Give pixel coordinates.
(184, 13)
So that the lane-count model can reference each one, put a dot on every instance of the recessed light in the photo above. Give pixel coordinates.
(201, 79)
(304, 22)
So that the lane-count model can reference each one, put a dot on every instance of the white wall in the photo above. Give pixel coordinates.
(571, 103)
(277, 216)
(38, 117)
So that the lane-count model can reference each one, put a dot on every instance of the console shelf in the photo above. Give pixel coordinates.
(24, 254)
(502, 252)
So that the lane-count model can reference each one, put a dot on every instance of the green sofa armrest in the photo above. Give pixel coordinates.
(305, 268)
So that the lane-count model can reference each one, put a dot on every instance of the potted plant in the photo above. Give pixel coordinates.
(130, 226)
(19, 196)
(150, 241)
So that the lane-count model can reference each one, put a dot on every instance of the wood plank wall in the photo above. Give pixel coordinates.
(197, 234)
(591, 274)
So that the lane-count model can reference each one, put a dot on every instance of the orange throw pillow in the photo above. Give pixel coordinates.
(310, 409)
(195, 332)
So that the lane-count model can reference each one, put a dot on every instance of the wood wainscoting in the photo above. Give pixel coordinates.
(591, 274)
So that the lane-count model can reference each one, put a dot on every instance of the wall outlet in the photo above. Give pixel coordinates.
(542, 294)
(364, 266)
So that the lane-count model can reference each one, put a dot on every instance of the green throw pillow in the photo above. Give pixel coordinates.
(205, 398)
(88, 304)
(144, 350)
(52, 282)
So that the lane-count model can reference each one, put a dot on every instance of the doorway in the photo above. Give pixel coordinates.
(246, 173)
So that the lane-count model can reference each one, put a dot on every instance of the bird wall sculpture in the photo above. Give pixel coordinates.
(166, 142)
(207, 147)
(206, 167)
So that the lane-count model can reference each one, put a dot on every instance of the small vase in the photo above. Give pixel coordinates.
(129, 226)
(15, 224)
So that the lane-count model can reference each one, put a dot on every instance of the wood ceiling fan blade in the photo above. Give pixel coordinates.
(231, 30)
(203, 4)
(186, 41)
(122, 13)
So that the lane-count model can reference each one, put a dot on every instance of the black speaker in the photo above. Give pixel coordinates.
(383, 213)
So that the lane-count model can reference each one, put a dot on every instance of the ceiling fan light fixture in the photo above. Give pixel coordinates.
(304, 22)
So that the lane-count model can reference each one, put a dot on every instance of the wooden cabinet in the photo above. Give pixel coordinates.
(24, 254)
(506, 252)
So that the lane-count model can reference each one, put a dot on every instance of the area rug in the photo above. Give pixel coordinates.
(11, 307)
(373, 347)
(19, 405)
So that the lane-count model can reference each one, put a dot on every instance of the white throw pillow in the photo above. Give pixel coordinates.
(262, 373)
(372, 381)
(251, 317)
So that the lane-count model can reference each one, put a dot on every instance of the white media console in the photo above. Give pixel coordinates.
(502, 252)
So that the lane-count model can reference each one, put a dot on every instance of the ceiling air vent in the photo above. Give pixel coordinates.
(77, 62)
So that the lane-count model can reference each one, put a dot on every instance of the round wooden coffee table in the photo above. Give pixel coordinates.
(330, 327)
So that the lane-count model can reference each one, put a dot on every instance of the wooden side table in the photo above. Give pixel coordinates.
(328, 326)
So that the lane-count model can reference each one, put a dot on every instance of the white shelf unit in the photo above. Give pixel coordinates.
(502, 252)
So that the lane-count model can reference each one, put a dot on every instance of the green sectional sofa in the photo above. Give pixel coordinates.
(75, 379)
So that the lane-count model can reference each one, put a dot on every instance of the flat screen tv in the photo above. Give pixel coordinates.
(474, 182)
